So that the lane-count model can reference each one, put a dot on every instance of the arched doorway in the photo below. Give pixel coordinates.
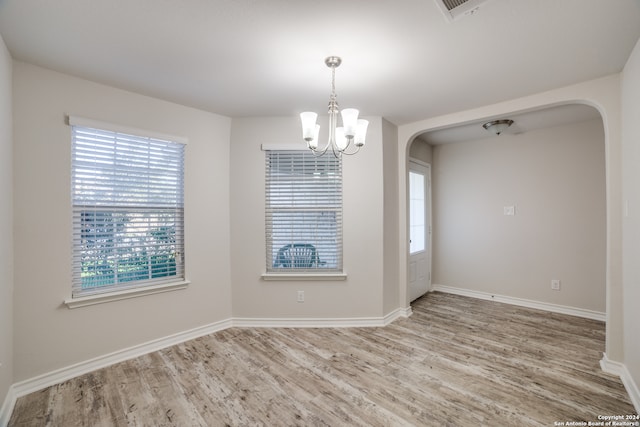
(520, 210)
(602, 94)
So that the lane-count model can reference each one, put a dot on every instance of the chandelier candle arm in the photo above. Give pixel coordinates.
(341, 139)
(314, 142)
(352, 132)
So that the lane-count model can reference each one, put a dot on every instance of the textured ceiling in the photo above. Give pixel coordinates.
(401, 60)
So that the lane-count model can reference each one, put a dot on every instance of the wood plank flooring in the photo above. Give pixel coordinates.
(456, 361)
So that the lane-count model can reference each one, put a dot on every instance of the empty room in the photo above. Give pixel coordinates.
(319, 213)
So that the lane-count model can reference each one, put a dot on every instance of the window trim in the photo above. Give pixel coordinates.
(125, 294)
(97, 124)
(267, 277)
(174, 284)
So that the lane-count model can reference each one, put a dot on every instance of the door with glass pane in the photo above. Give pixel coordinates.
(419, 274)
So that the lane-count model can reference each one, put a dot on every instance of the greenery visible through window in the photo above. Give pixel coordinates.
(128, 210)
(303, 212)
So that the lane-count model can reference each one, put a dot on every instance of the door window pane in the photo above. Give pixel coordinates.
(416, 212)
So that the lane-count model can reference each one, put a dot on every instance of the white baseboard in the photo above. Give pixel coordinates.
(256, 322)
(397, 314)
(632, 388)
(40, 382)
(7, 406)
(610, 366)
(555, 308)
(351, 322)
(620, 369)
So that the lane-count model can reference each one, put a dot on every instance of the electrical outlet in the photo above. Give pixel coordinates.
(555, 284)
(509, 210)
(300, 296)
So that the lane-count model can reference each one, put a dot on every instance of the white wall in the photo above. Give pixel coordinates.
(6, 223)
(48, 335)
(631, 197)
(391, 295)
(555, 178)
(361, 294)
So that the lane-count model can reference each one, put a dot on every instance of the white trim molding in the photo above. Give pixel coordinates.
(97, 124)
(58, 376)
(303, 276)
(347, 322)
(7, 407)
(620, 370)
(128, 293)
(397, 314)
(554, 308)
(610, 366)
(607, 365)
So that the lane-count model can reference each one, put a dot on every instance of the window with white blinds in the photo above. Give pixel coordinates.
(303, 212)
(128, 210)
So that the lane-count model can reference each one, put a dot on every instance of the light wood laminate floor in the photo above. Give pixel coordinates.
(456, 361)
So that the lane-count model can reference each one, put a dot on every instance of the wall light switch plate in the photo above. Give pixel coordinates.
(509, 210)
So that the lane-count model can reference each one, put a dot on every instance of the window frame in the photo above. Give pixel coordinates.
(291, 273)
(152, 284)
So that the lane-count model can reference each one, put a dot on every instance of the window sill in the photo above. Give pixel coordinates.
(120, 295)
(304, 276)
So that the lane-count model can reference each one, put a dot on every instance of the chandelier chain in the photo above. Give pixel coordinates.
(333, 98)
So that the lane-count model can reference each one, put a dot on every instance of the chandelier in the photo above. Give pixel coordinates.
(346, 139)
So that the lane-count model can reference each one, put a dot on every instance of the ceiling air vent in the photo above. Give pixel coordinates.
(454, 9)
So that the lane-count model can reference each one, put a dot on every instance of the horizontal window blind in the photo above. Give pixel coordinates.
(303, 212)
(128, 211)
